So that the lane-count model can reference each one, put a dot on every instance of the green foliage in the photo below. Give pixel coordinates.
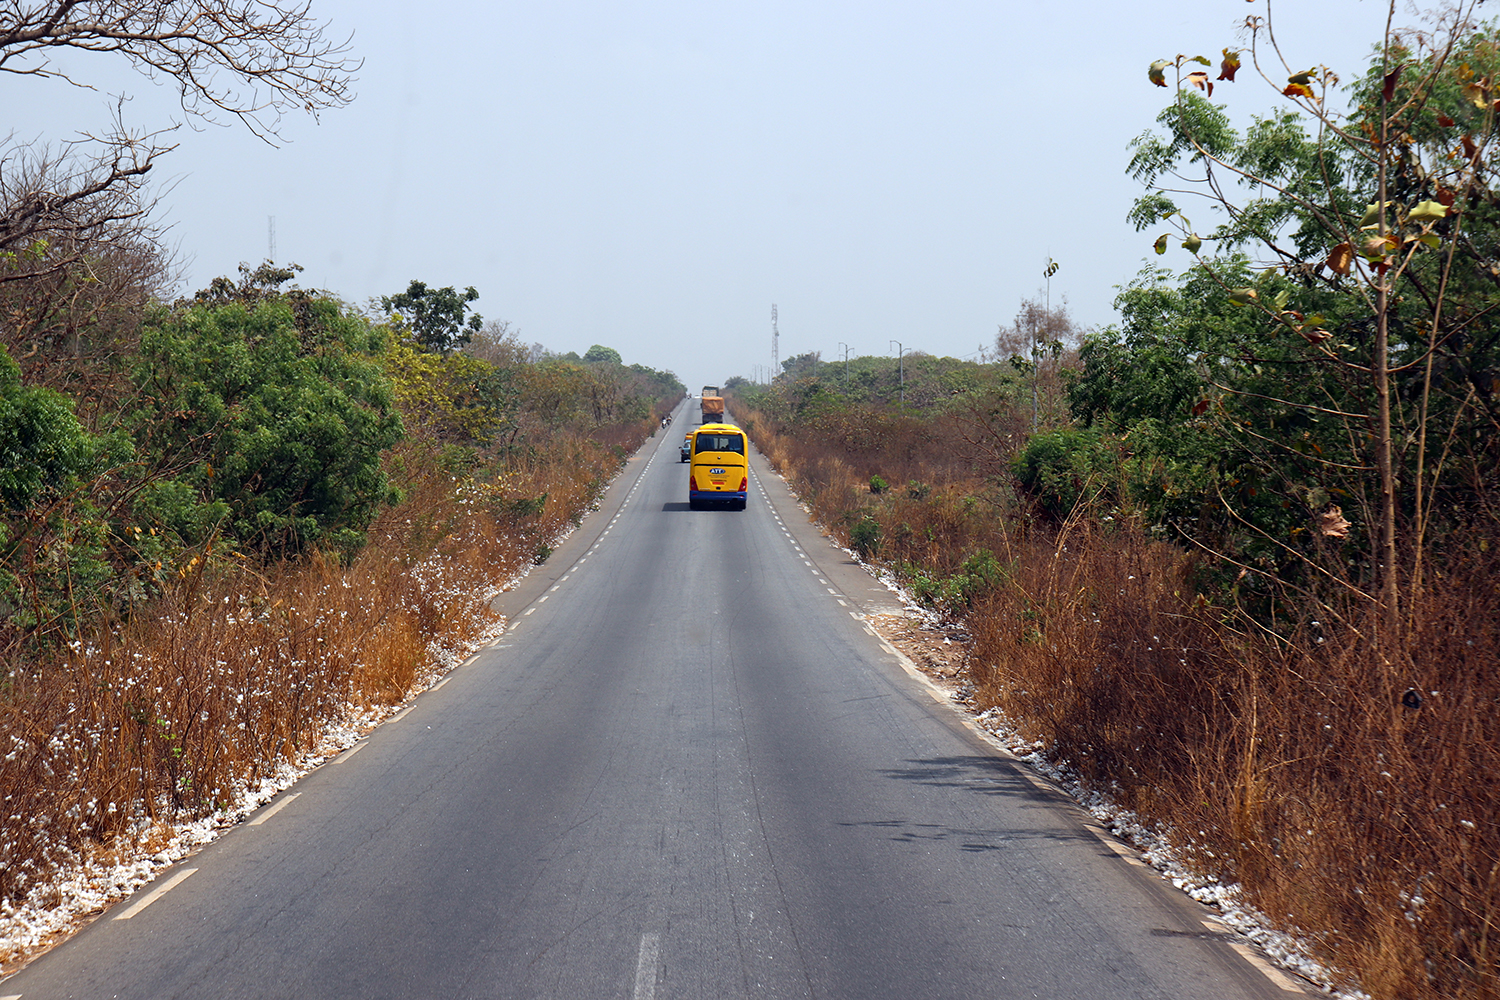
(1248, 401)
(864, 537)
(878, 485)
(455, 398)
(278, 410)
(436, 316)
(1063, 468)
(562, 393)
(43, 448)
(955, 593)
(54, 539)
(601, 355)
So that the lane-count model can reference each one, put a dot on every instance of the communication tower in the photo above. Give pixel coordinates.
(775, 345)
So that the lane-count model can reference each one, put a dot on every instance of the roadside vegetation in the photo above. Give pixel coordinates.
(233, 521)
(1233, 560)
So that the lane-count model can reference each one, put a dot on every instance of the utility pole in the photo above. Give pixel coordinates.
(901, 367)
(271, 238)
(775, 343)
(846, 364)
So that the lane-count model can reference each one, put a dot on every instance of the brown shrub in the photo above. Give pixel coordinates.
(1293, 768)
(239, 669)
(1353, 800)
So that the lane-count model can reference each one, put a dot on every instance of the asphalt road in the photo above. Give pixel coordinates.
(687, 771)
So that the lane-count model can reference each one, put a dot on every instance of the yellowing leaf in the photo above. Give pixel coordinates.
(1304, 78)
(1199, 79)
(1478, 92)
(1428, 211)
(1160, 246)
(1299, 90)
(1372, 215)
(1158, 72)
(1230, 64)
(1192, 243)
(1243, 296)
(1340, 258)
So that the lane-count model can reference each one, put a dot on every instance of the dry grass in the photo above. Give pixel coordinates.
(239, 669)
(1300, 767)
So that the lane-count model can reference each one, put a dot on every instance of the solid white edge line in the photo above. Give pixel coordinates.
(285, 800)
(154, 894)
(13, 996)
(645, 967)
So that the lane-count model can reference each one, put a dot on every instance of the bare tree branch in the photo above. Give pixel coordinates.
(248, 59)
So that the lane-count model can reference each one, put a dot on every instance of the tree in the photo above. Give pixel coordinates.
(230, 60)
(436, 315)
(274, 406)
(1040, 343)
(601, 355)
(1370, 306)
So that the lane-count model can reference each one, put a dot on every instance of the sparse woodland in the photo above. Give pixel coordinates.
(1232, 560)
(1241, 576)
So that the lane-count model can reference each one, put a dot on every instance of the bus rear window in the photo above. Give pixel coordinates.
(721, 442)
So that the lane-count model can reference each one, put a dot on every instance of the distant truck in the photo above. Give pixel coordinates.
(713, 405)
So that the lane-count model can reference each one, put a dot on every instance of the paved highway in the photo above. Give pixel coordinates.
(686, 772)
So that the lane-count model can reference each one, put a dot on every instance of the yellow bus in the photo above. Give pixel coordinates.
(720, 473)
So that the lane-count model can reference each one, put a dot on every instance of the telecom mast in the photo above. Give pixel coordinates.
(775, 345)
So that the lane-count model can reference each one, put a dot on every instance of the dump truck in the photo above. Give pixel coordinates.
(713, 405)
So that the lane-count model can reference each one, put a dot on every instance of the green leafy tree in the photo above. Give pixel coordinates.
(53, 538)
(437, 317)
(456, 398)
(1355, 256)
(276, 408)
(601, 355)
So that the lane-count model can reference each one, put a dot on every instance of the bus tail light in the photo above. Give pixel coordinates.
(744, 484)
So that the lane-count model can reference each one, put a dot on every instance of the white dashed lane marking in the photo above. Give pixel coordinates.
(356, 748)
(645, 967)
(285, 801)
(155, 894)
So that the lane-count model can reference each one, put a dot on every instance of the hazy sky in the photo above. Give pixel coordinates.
(652, 176)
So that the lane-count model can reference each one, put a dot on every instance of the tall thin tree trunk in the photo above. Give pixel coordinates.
(1385, 537)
